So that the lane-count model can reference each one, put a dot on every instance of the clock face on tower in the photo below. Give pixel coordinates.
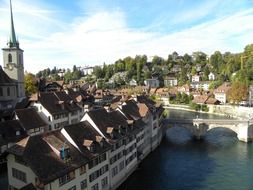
(10, 67)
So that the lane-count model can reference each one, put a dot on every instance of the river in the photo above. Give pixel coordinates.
(219, 162)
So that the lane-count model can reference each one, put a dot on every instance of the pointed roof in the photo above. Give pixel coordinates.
(13, 41)
(4, 78)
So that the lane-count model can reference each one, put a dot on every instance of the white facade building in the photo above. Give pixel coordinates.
(97, 154)
(152, 83)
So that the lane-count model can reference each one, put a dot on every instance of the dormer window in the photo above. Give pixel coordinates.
(61, 103)
(109, 131)
(89, 145)
(64, 153)
(100, 140)
(17, 133)
(120, 129)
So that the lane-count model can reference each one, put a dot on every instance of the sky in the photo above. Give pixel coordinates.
(64, 33)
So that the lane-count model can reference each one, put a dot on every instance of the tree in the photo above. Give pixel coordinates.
(248, 50)
(98, 72)
(147, 74)
(214, 84)
(30, 84)
(157, 60)
(200, 58)
(187, 59)
(206, 73)
(129, 63)
(238, 92)
(182, 77)
(216, 61)
(193, 71)
(74, 68)
(68, 76)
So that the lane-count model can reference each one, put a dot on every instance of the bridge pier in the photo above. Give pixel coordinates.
(242, 133)
(199, 130)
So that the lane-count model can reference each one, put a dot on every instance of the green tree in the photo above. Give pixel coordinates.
(238, 92)
(30, 84)
(129, 63)
(68, 76)
(248, 50)
(182, 77)
(147, 74)
(200, 58)
(214, 84)
(216, 61)
(98, 72)
(193, 71)
(206, 73)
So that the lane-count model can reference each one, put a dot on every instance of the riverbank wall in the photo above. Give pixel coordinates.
(226, 110)
(232, 111)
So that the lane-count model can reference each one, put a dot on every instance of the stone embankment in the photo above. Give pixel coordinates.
(226, 110)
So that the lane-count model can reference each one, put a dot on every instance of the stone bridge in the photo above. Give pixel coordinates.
(199, 127)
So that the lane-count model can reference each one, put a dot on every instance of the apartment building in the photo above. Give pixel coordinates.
(98, 153)
(33, 126)
(73, 158)
(58, 109)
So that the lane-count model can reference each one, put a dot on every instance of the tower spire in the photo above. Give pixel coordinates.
(13, 41)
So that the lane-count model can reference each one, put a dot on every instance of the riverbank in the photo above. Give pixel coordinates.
(228, 111)
(187, 108)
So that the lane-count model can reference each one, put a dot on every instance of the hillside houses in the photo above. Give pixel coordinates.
(99, 152)
(221, 93)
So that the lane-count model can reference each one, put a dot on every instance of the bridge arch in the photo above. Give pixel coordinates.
(199, 127)
(223, 131)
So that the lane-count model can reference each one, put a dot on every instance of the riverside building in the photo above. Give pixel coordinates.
(98, 153)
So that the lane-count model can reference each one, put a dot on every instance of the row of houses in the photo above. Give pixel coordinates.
(217, 96)
(171, 80)
(99, 152)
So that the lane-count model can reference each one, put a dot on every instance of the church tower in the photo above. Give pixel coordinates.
(13, 60)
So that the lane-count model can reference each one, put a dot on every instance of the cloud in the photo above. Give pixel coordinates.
(104, 36)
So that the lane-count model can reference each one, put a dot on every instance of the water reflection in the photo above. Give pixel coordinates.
(221, 137)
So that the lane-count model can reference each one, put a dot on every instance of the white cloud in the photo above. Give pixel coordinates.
(105, 37)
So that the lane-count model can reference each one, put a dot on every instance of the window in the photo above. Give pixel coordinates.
(104, 182)
(95, 187)
(66, 178)
(17, 133)
(102, 157)
(10, 58)
(1, 91)
(98, 173)
(72, 188)
(8, 91)
(104, 169)
(114, 171)
(121, 165)
(83, 184)
(20, 59)
(19, 175)
(82, 170)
